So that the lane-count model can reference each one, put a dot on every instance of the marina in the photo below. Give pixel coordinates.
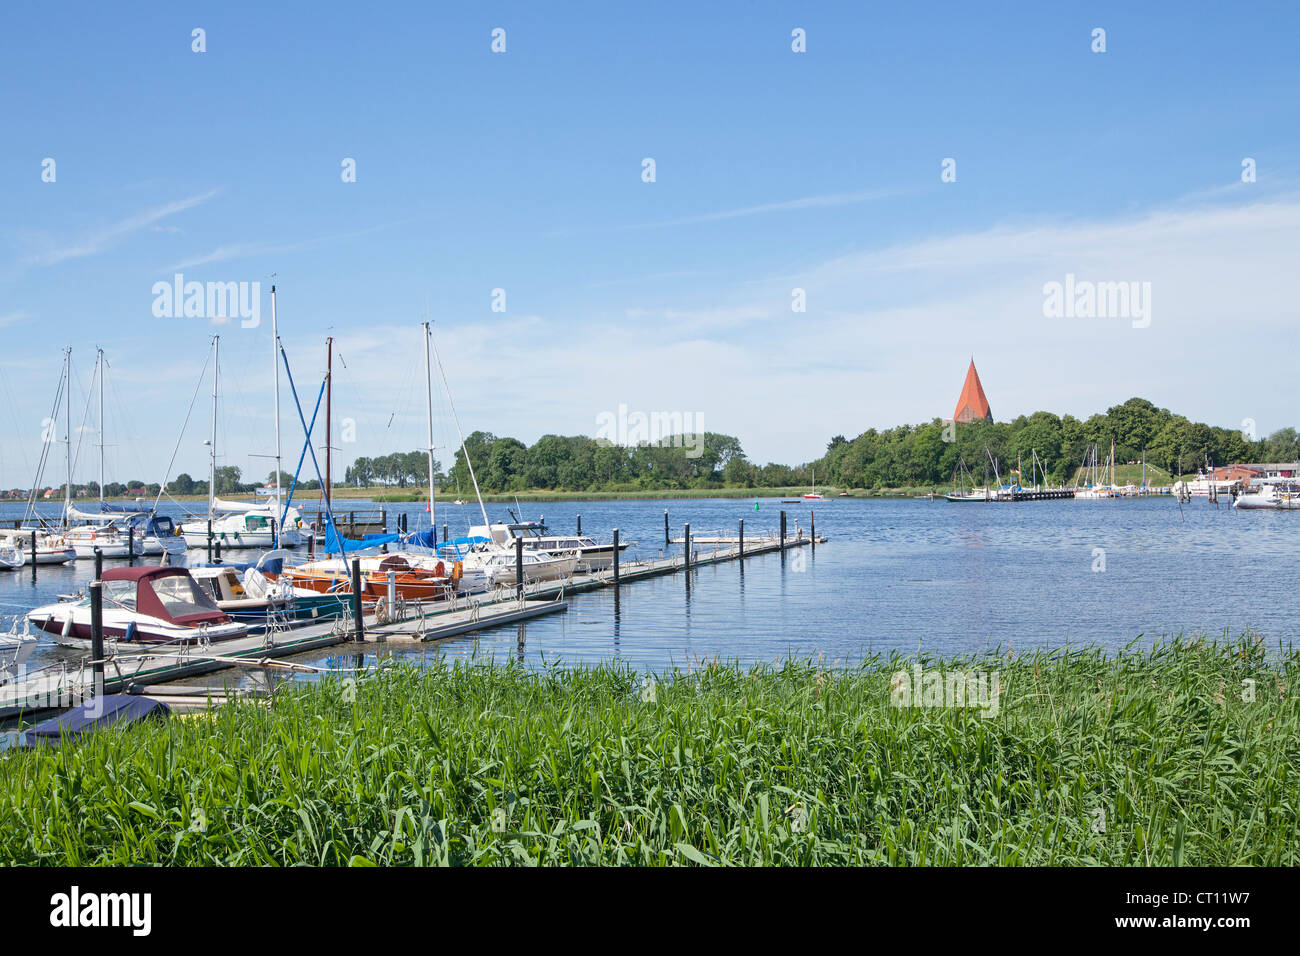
(66, 683)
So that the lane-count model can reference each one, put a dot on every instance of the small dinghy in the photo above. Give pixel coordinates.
(94, 714)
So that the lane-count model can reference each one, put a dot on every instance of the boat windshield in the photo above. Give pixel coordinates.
(181, 596)
(121, 593)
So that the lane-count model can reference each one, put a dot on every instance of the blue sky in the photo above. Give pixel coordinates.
(775, 170)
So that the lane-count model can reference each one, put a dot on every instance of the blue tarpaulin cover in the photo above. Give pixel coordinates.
(334, 543)
(97, 712)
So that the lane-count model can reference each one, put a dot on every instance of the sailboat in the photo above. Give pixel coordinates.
(975, 494)
(236, 524)
(813, 493)
(42, 546)
(116, 532)
(419, 575)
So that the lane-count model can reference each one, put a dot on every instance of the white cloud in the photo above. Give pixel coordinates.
(95, 241)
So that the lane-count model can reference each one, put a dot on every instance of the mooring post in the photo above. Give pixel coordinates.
(99, 563)
(667, 540)
(130, 544)
(742, 537)
(33, 552)
(274, 540)
(783, 531)
(217, 551)
(615, 551)
(812, 527)
(519, 567)
(209, 541)
(579, 524)
(359, 625)
(687, 542)
(97, 634)
(444, 533)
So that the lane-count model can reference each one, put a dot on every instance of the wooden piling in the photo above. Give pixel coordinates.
(209, 541)
(667, 538)
(615, 551)
(742, 537)
(519, 566)
(99, 563)
(97, 633)
(687, 541)
(782, 532)
(580, 524)
(359, 624)
(130, 544)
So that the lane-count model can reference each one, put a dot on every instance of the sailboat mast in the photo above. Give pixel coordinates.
(67, 440)
(212, 442)
(275, 363)
(329, 404)
(428, 406)
(99, 370)
(459, 431)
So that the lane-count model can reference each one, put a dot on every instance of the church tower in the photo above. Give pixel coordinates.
(972, 404)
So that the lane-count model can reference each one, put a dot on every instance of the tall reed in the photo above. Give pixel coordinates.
(1154, 756)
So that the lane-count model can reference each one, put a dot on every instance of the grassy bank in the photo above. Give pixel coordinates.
(1147, 758)
(544, 495)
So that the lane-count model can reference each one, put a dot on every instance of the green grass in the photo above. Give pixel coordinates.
(473, 763)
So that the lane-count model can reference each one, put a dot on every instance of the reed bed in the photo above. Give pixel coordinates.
(1153, 756)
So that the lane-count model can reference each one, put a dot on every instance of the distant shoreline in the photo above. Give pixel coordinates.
(386, 495)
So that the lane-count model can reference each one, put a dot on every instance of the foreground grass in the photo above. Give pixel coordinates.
(1148, 758)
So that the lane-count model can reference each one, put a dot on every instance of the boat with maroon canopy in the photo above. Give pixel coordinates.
(142, 606)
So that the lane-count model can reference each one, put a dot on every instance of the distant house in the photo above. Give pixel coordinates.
(1238, 473)
(1276, 469)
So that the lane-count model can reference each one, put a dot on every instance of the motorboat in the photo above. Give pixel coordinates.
(1276, 494)
(592, 555)
(11, 557)
(249, 596)
(246, 525)
(498, 563)
(142, 606)
(124, 534)
(15, 648)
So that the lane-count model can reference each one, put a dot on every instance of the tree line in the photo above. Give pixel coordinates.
(908, 455)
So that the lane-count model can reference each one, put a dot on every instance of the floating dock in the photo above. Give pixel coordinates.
(68, 684)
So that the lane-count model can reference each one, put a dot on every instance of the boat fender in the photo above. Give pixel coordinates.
(67, 626)
(129, 636)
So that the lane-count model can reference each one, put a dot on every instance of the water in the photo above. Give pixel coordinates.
(897, 573)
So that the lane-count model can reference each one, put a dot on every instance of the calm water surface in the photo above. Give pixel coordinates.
(899, 573)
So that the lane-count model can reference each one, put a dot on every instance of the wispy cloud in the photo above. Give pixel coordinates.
(13, 318)
(96, 241)
(790, 205)
(248, 250)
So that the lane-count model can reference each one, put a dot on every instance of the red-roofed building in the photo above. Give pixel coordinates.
(972, 404)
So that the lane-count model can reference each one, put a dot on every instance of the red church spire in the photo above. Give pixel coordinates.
(972, 403)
